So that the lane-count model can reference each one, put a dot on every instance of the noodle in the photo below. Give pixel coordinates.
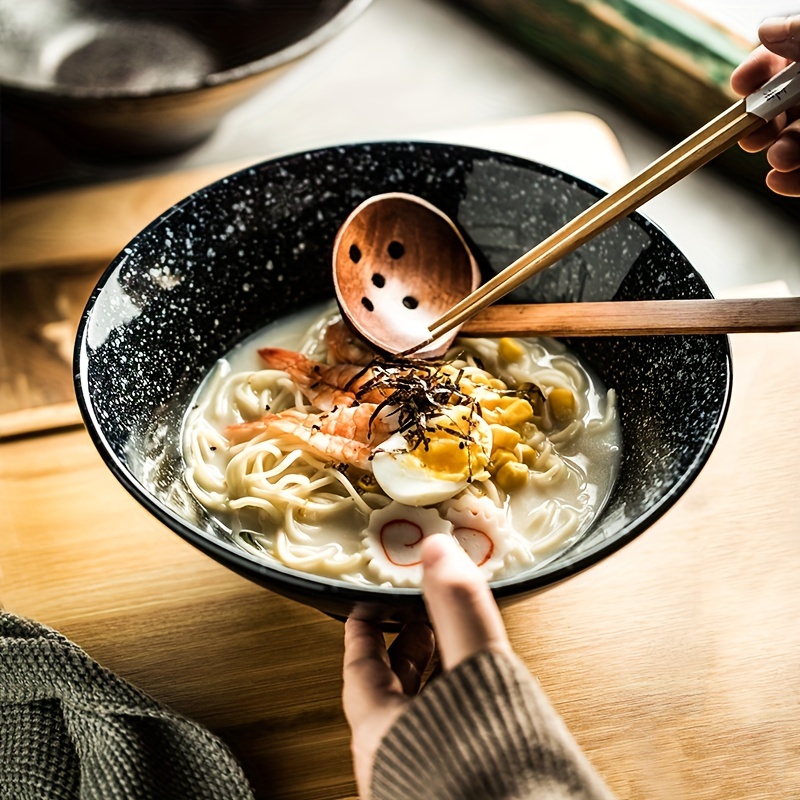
(286, 498)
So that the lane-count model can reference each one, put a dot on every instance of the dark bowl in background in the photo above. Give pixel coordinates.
(148, 77)
(257, 245)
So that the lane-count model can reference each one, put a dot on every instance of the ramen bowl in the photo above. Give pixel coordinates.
(256, 247)
(148, 78)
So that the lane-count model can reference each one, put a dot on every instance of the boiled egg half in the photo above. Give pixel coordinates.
(455, 452)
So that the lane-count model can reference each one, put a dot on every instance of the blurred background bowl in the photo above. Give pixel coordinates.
(148, 77)
(257, 246)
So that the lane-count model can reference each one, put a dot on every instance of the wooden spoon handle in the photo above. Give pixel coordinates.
(637, 318)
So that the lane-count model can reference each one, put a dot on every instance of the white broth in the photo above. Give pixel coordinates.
(305, 466)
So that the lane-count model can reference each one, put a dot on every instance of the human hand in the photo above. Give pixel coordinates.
(780, 45)
(379, 684)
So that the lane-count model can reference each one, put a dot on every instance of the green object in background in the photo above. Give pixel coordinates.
(665, 64)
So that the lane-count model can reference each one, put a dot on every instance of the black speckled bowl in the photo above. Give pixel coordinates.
(257, 245)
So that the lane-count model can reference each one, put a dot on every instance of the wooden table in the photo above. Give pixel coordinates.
(675, 662)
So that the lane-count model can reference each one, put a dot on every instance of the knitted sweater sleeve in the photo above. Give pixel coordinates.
(71, 729)
(483, 730)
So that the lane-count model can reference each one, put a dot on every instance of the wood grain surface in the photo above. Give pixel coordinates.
(39, 314)
(674, 662)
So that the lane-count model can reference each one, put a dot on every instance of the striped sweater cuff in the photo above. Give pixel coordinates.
(483, 730)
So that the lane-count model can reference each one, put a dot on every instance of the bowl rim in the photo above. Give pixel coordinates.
(306, 584)
(319, 36)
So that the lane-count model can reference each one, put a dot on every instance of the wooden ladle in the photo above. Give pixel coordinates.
(398, 263)
(403, 272)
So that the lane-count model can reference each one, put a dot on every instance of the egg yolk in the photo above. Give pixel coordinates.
(456, 447)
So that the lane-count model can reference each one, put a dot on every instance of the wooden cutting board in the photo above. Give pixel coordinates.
(674, 662)
(53, 248)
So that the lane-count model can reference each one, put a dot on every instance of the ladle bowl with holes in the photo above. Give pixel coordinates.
(398, 264)
(257, 246)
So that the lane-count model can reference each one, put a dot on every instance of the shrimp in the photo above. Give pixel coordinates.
(346, 436)
(328, 386)
(344, 347)
(362, 423)
(325, 386)
(333, 448)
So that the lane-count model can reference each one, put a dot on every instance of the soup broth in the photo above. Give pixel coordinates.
(510, 445)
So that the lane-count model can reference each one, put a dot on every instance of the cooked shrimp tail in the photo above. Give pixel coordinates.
(344, 347)
(363, 424)
(323, 385)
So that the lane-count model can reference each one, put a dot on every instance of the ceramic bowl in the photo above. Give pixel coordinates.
(145, 77)
(257, 245)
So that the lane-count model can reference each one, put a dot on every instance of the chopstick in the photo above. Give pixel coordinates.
(742, 118)
(638, 318)
(698, 149)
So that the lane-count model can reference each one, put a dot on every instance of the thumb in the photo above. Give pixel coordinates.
(781, 35)
(460, 603)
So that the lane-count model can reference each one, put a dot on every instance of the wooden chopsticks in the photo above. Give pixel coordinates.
(698, 149)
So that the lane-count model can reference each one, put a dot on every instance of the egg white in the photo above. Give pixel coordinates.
(406, 479)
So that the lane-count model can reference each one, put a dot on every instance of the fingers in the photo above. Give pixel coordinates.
(763, 137)
(784, 183)
(460, 604)
(784, 155)
(784, 158)
(374, 677)
(756, 70)
(782, 36)
(780, 39)
(368, 677)
(409, 655)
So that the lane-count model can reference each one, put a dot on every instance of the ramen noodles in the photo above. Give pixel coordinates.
(317, 454)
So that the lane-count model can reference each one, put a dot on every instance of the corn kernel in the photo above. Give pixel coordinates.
(509, 349)
(489, 399)
(504, 437)
(496, 383)
(515, 412)
(500, 457)
(562, 404)
(490, 416)
(511, 476)
(527, 455)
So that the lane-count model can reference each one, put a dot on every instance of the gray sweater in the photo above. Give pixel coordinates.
(71, 730)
